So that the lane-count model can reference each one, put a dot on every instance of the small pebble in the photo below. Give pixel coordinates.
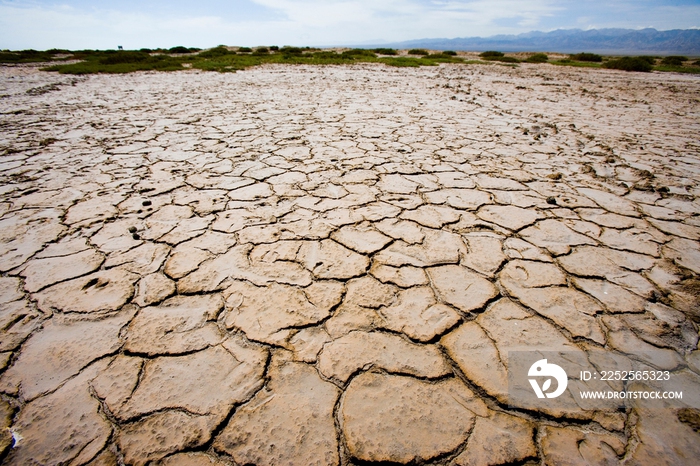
(552, 200)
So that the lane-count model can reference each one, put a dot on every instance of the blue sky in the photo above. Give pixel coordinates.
(78, 24)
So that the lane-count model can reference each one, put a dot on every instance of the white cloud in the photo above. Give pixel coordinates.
(354, 20)
(434, 16)
(305, 22)
(66, 27)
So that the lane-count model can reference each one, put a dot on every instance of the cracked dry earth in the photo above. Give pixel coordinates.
(328, 265)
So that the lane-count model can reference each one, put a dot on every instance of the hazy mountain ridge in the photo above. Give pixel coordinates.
(679, 41)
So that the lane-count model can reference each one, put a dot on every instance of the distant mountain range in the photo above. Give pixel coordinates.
(608, 41)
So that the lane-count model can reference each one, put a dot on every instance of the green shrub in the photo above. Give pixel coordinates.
(245, 49)
(449, 52)
(418, 52)
(291, 50)
(537, 58)
(158, 63)
(491, 54)
(9, 57)
(648, 59)
(127, 57)
(586, 57)
(628, 64)
(403, 62)
(696, 63)
(29, 53)
(179, 49)
(219, 51)
(261, 51)
(326, 55)
(25, 56)
(274, 48)
(384, 51)
(674, 60)
(358, 53)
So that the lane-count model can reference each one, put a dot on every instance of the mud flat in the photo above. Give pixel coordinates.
(329, 265)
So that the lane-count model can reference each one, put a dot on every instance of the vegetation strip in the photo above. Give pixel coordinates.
(231, 59)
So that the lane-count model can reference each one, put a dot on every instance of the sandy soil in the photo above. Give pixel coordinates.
(330, 265)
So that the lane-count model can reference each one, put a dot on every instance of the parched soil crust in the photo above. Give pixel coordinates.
(329, 265)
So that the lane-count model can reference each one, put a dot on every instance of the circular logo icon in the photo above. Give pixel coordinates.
(542, 369)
